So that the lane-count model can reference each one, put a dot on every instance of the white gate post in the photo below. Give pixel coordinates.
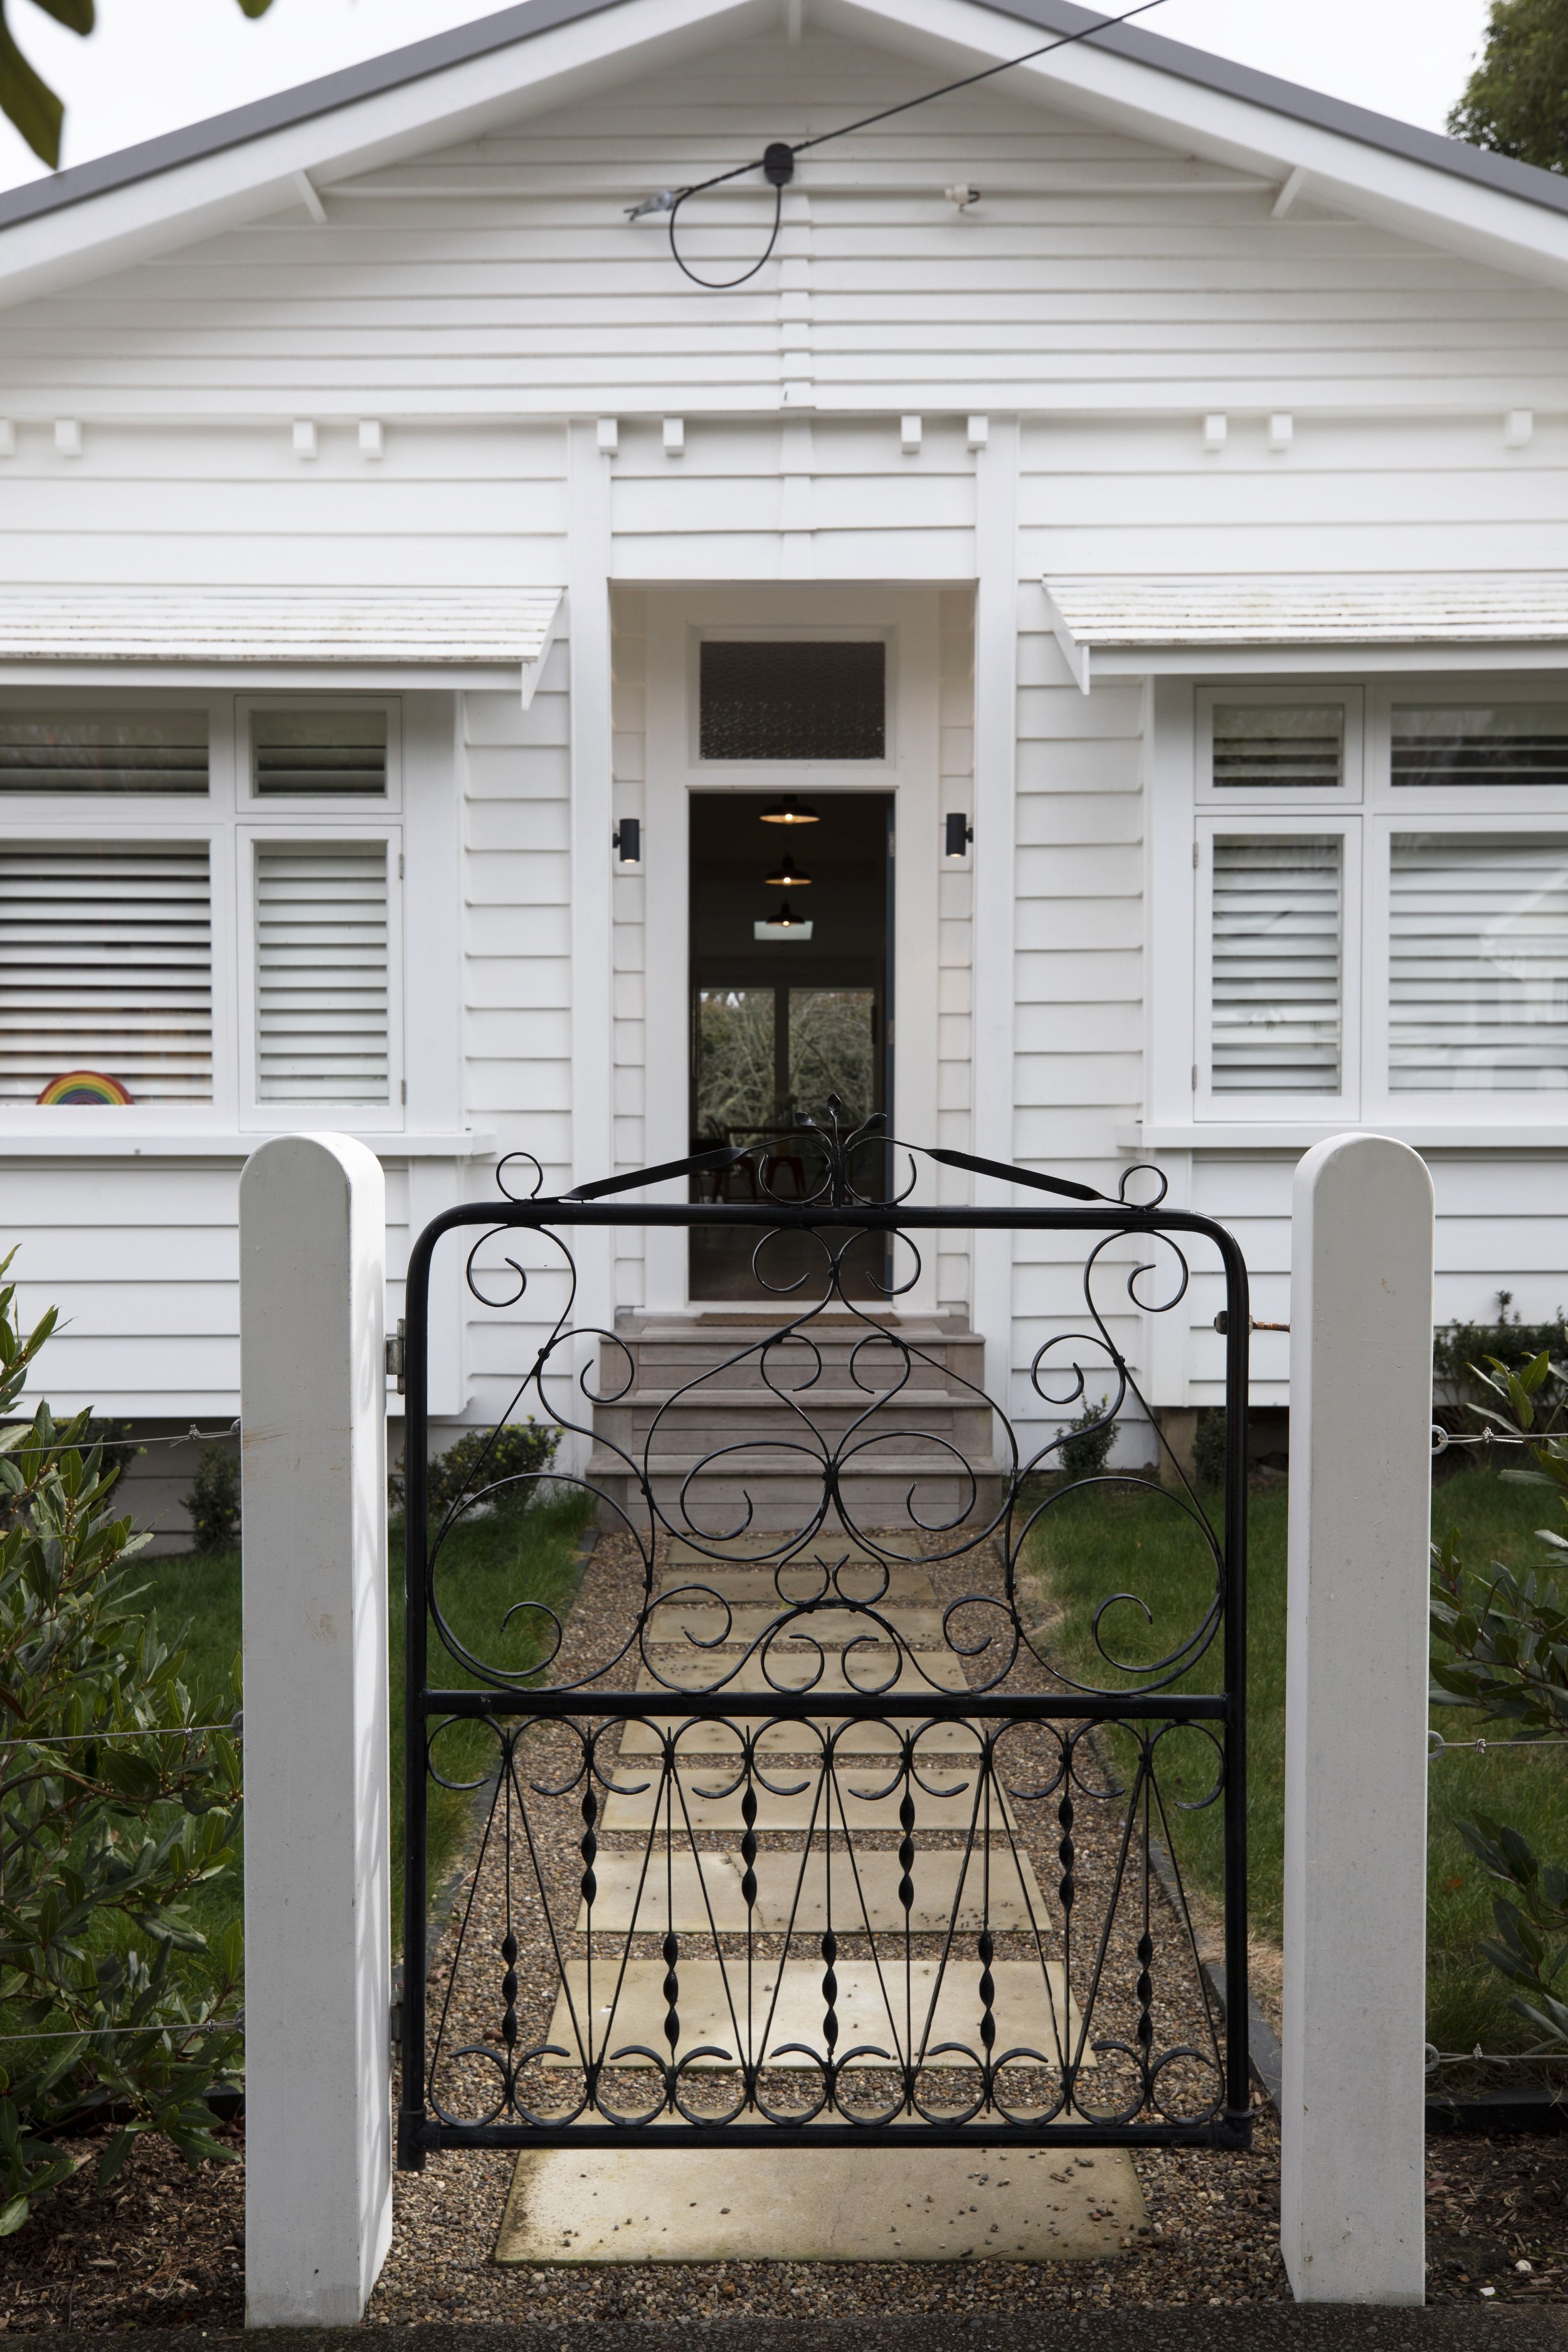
(1352, 2174)
(318, 2098)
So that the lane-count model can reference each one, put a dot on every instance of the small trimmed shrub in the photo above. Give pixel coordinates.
(1208, 1448)
(213, 1499)
(484, 1460)
(1086, 1449)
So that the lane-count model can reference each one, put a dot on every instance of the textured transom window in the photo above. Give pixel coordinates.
(103, 751)
(793, 699)
(1501, 743)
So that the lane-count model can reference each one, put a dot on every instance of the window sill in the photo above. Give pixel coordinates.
(199, 1143)
(1298, 1135)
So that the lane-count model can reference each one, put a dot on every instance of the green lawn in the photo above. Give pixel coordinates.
(1105, 1541)
(487, 1565)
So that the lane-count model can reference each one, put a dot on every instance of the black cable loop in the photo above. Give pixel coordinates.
(884, 114)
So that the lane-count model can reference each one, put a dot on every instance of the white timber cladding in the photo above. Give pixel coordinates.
(487, 354)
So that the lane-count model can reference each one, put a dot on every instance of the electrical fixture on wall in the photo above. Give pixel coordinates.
(957, 834)
(783, 924)
(789, 810)
(789, 876)
(776, 162)
(626, 840)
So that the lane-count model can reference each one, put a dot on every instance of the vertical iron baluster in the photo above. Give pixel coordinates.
(1146, 1942)
(907, 1898)
(1066, 1892)
(508, 1940)
(987, 1948)
(749, 1897)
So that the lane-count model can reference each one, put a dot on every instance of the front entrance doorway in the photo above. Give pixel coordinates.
(790, 1002)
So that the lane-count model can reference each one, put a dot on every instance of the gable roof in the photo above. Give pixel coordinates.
(170, 189)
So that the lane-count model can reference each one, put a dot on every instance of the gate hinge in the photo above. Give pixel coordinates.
(394, 2014)
(397, 1355)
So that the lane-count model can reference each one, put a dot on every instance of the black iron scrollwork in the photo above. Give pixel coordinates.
(825, 1729)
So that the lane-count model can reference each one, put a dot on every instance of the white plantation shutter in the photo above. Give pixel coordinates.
(1477, 963)
(327, 748)
(103, 751)
(1276, 963)
(1265, 748)
(321, 972)
(106, 965)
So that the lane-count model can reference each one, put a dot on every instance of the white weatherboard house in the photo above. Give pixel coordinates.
(1159, 469)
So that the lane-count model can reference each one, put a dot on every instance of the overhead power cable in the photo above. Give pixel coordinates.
(777, 160)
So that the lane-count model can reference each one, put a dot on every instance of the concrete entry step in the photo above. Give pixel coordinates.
(798, 1580)
(860, 2204)
(881, 2005)
(706, 1800)
(705, 1889)
(673, 1621)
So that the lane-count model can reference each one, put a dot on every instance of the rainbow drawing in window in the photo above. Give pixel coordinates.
(84, 1086)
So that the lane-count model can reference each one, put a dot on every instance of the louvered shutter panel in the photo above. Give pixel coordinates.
(1504, 744)
(1477, 963)
(1278, 920)
(1263, 748)
(321, 960)
(337, 749)
(106, 965)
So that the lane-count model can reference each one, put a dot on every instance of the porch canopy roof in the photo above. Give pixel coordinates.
(258, 637)
(1114, 625)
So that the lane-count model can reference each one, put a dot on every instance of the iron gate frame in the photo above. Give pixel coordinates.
(1223, 1712)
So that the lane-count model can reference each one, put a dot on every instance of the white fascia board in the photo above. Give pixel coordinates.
(282, 677)
(249, 182)
(1312, 661)
(1075, 652)
(1140, 101)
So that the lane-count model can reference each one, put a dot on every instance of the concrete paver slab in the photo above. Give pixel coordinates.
(673, 1621)
(699, 1889)
(630, 2007)
(824, 2205)
(860, 1798)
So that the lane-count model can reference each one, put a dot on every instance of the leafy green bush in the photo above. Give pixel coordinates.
(1457, 1349)
(1208, 1448)
(1086, 1449)
(213, 1499)
(111, 1815)
(1504, 1649)
(487, 1469)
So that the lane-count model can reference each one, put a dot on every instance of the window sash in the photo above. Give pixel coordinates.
(321, 920)
(1276, 962)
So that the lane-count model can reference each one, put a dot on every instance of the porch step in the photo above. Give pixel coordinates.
(742, 1410)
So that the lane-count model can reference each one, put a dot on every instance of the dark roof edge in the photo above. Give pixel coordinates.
(284, 107)
(530, 18)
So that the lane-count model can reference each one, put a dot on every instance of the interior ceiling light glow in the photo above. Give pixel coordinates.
(789, 875)
(784, 918)
(789, 810)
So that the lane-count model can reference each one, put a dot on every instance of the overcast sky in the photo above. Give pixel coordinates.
(155, 64)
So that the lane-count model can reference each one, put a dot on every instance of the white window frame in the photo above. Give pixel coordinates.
(363, 1118)
(1347, 793)
(1187, 811)
(229, 819)
(262, 806)
(1216, 823)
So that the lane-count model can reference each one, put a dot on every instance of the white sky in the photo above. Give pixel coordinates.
(155, 64)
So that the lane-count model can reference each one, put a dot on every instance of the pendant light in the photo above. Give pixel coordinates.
(789, 810)
(788, 875)
(784, 918)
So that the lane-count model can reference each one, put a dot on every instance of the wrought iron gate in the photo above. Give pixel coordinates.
(826, 1829)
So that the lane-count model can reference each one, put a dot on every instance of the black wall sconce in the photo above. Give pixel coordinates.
(626, 840)
(958, 834)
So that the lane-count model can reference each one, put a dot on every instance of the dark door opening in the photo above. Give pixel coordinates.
(790, 1002)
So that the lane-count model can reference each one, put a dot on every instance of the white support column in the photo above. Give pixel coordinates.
(995, 836)
(318, 1962)
(1351, 2187)
(593, 822)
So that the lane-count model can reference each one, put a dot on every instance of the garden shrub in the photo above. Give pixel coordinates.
(1208, 1448)
(112, 1814)
(1459, 1349)
(1086, 1449)
(487, 1469)
(213, 1499)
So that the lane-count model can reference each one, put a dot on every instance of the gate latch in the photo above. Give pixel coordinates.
(397, 1355)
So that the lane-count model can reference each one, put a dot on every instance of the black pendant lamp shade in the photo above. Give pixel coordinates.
(789, 810)
(788, 876)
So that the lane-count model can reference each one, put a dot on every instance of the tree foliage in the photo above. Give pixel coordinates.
(112, 1814)
(1516, 102)
(25, 98)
